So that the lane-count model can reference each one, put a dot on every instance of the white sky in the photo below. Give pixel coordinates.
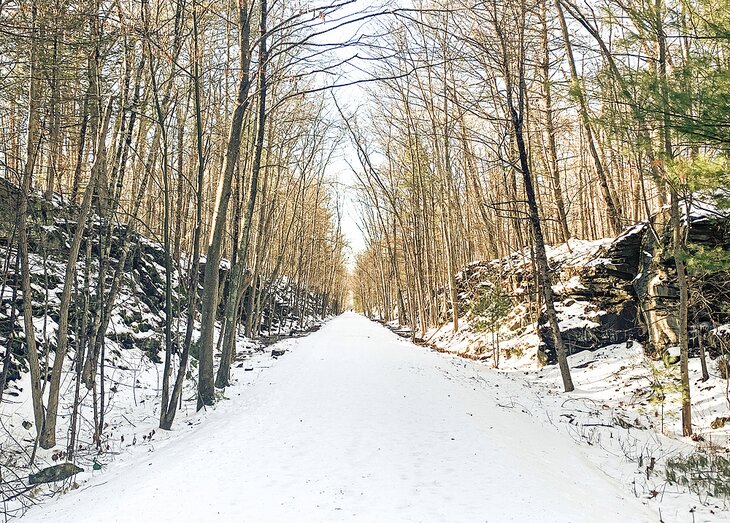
(351, 99)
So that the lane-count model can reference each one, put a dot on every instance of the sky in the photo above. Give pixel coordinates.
(352, 99)
(341, 171)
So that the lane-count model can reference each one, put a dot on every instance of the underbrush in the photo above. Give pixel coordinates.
(702, 473)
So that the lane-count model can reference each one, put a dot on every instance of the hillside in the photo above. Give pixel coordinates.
(125, 375)
(617, 304)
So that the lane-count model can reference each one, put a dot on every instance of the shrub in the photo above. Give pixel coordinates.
(723, 367)
(700, 473)
(489, 311)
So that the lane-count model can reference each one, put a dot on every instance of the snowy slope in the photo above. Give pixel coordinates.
(355, 423)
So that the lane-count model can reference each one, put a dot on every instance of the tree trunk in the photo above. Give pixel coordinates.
(614, 215)
(552, 148)
(168, 410)
(206, 384)
(48, 437)
(33, 144)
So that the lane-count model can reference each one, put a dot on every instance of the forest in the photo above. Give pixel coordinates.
(514, 125)
(189, 186)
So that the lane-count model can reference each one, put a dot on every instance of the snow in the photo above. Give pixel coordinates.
(722, 330)
(705, 206)
(572, 284)
(576, 253)
(577, 315)
(595, 262)
(614, 411)
(354, 423)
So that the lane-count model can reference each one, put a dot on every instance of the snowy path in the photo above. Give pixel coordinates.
(356, 424)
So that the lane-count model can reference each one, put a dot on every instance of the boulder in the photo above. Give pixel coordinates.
(655, 286)
(609, 313)
(55, 473)
(655, 283)
(632, 282)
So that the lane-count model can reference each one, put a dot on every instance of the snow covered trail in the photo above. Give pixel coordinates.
(357, 424)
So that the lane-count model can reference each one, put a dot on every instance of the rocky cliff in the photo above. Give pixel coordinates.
(616, 291)
(138, 317)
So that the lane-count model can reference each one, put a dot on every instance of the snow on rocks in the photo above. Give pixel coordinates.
(626, 401)
(133, 342)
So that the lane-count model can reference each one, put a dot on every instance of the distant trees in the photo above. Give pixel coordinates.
(200, 125)
(495, 127)
(555, 121)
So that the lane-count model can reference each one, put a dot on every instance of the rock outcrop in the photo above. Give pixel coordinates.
(617, 291)
(598, 305)
(138, 317)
